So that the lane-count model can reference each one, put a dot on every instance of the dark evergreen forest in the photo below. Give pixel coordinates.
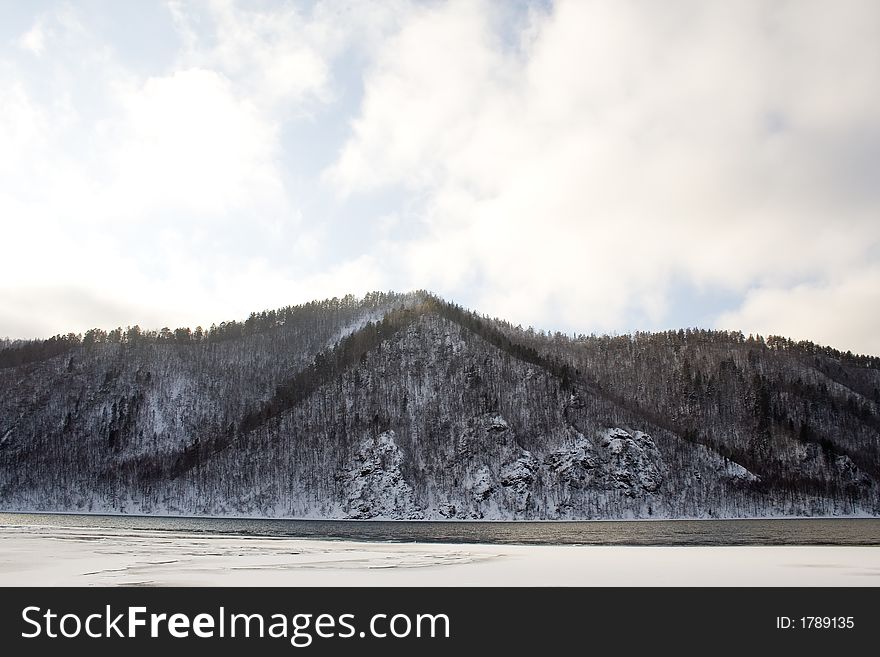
(408, 406)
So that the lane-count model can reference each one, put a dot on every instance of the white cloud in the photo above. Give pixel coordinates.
(275, 55)
(159, 194)
(185, 143)
(843, 313)
(626, 146)
(572, 166)
(22, 126)
(428, 83)
(131, 195)
(33, 41)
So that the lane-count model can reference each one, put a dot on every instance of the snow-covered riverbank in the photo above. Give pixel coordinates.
(70, 556)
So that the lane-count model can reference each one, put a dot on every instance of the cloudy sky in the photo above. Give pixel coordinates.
(574, 165)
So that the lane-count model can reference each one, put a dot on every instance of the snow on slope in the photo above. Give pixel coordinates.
(436, 414)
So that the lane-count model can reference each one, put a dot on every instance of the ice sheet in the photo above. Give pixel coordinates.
(69, 556)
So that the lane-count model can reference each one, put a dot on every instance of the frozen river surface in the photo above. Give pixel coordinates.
(43, 550)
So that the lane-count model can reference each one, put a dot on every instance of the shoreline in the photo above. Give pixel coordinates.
(452, 521)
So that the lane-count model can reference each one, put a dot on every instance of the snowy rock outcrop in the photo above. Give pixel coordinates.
(633, 462)
(483, 485)
(617, 460)
(504, 480)
(518, 477)
(374, 486)
(736, 471)
(576, 466)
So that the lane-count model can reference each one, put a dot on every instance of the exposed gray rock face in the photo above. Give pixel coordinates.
(633, 462)
(518, 478)
(576, 466)
(374, 484)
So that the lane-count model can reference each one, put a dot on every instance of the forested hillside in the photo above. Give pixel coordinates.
(407, 406)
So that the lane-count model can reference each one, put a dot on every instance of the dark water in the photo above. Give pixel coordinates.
(832, 531)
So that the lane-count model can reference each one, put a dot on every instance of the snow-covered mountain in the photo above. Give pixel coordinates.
(406, 406)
